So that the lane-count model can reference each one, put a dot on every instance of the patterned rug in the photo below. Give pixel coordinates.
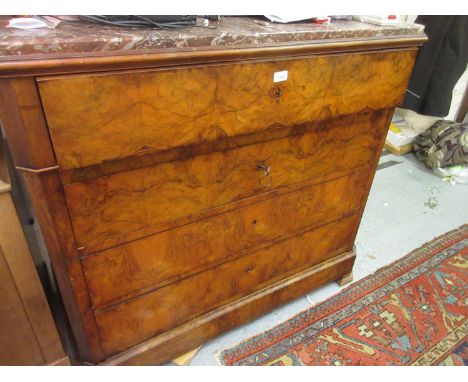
(412, 312)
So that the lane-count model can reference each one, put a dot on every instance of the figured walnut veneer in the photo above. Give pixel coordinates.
(142, 112)
(118, 204)
(183, 194)
(172, 305)
(121, 272)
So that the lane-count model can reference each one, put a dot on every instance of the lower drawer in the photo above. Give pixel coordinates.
(134, 321)
(124, 271)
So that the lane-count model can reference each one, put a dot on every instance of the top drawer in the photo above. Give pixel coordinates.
(102, 117)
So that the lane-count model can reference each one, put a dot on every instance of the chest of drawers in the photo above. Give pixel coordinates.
(183, 194)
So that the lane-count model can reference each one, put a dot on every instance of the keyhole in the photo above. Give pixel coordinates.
(278, 92)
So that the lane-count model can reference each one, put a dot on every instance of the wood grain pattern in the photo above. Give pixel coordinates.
(50, 208)
(28, 290)
(23, 120)
(18, 345)
(28, 335)
(165, 347)
(124, 271)
(227, 143)
(28, 138)
(117, 204)
(386, 120)
(136, 320)
(97, 118)
(155, 169)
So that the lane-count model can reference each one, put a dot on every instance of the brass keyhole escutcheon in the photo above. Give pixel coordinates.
(266, 179)
(262, 166)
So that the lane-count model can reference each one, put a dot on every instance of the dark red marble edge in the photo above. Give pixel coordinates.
(71, 39)
(57, 55)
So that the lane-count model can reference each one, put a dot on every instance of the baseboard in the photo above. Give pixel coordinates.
(171, 344)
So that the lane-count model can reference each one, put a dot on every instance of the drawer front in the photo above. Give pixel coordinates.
(115, 205)
(102, 117)
(143, 317)
(124, 271)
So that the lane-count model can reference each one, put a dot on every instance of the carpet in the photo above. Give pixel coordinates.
(412, 312)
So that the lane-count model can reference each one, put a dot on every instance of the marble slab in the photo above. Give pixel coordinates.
(79, 37)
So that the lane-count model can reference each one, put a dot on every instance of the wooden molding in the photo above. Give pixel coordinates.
(69, 63)
(39, 170)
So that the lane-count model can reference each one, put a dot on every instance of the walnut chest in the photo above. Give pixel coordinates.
(184, 191)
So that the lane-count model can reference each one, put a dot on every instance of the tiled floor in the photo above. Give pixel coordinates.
(407, 207)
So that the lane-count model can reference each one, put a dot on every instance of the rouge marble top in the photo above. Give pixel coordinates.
(78, 37)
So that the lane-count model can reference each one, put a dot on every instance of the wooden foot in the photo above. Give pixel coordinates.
(185, 359)
(65, 361)
(346, 279)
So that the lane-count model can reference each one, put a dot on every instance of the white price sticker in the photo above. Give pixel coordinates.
(280, 76)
